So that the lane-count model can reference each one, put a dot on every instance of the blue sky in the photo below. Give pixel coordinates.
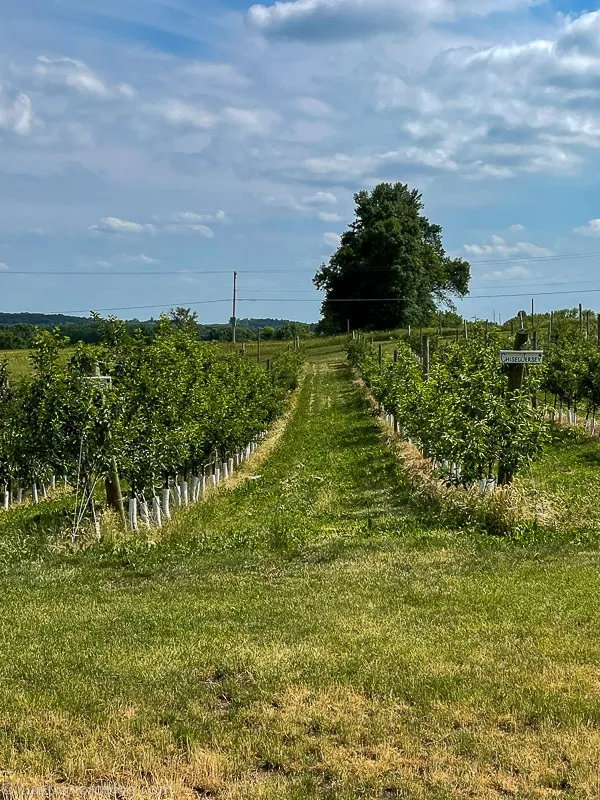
(151, 147)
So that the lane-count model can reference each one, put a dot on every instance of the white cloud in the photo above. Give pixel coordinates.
(141, 258)
(515, 272)
(342, 164)
(185, 114)
(258, 121)
(3, 265)
(86, 83)
(177, 112)
(75, 74)
(332, 239)
(326, 216)
(190, 217)
(313, 107)
(307, 204)
(285, 201)
(323, 20)
(181, 223)
(16, 114)
(124, 226)
(358, 166)
(517, 228)
(188, 228)
(217, 74)
(320, 199)
(492, 112)
(127, 258)
(591, 228)
(500, 248)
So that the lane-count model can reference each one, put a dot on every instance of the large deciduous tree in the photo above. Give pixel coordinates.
(391, 268)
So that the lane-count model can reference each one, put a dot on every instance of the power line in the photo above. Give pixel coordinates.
(396, 299)
(137, 273)
(185, 303)
(136, 308)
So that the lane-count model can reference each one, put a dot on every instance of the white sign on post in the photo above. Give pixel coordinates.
(522, 356)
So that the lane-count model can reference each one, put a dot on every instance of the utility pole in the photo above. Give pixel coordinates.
(233, 320)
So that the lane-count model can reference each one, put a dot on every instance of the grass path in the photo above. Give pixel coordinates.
(308, 635)
(330, 478)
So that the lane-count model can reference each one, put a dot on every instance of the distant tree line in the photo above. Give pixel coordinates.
(18, 331)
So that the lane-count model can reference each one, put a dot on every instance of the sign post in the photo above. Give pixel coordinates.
(514, 361)
(521, 357)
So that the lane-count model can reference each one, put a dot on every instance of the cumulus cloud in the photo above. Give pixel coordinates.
(516, 272)
(536, 102)
(332, 239)
(217, 74)
(190, 217)
(517, 228)
(183, 229)
(313, 107)
(185, 114)
(326, 20)
(178, 112)
(121, 226)
(75, 74)
(493, 112)
(127, 258)
(308, 204)
(345, 165)
(16, 113)
(251, 120)
(320, 199)
(500, 248)
(182, 222)
(591, 228)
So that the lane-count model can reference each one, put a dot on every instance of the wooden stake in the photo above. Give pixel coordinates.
(587, 324)
(425, 351)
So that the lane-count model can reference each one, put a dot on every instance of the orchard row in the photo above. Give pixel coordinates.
(151, 411)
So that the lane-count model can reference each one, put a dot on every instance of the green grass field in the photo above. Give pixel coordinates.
(316, 631)
(19, 364)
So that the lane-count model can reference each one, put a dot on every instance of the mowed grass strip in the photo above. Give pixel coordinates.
(343, 645)
(566, 484)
